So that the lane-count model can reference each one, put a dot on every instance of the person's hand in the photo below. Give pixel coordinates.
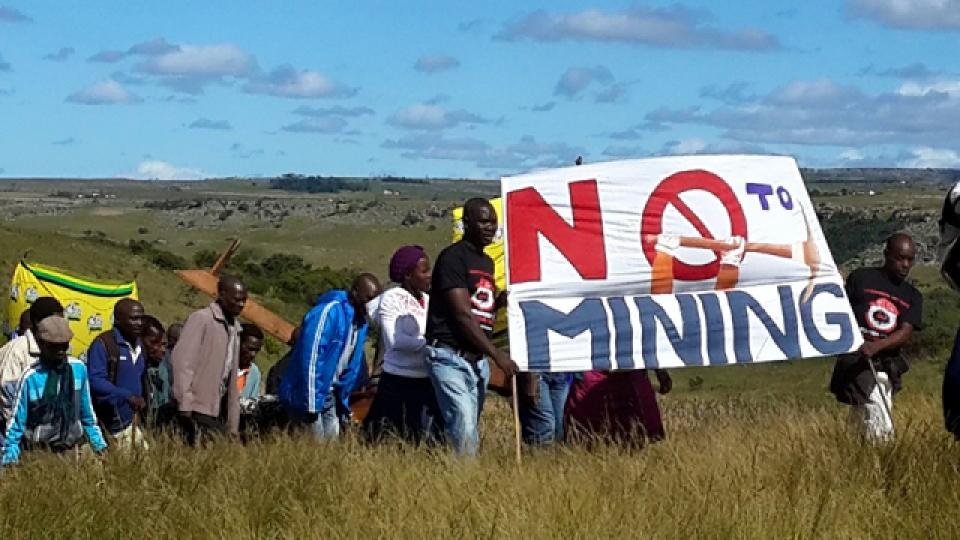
(137, 403)
(666, 383)
(733, 257)
(869, 349)
(667, 244)
(528, 386)
(508, 366)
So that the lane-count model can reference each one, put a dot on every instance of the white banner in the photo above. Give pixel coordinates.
(669, 262)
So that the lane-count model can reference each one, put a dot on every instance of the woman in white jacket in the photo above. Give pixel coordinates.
(405, 403)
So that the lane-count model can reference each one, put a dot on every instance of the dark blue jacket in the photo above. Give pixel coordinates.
(109, 399)
(324, 333)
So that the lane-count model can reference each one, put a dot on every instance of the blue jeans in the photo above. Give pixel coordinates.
(327, 425)
(542, 423)
(324, 425)
(461, 387)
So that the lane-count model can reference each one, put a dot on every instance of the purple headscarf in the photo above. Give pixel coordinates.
(404, 260)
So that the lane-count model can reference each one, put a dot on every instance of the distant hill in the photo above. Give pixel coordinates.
(882, 176)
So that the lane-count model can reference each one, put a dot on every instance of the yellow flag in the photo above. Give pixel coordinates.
(88, 305)
(494, 250)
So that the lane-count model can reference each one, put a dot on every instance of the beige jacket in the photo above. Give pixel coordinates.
(199, 365)
(15, 357)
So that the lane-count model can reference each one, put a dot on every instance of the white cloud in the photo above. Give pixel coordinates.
(320, 112)
(615, 93)
(218, 60)
(670, 27)
(286, 81)
(161, 170)
(932, 158)
(108, 57)
(326, 124)
(916, 70)
(524, 154)
(190, 68)
(206, 123)
(432, 117)
(813, 92)
(852, 154)
(242, 152)
(154, 47)
(696, 145)
(909, 14)
(693, 145)
(60, 56)
(436, 63)
(576, 79)
(107, 92)
(824, 113)
(621, 151)
(13, 15)
(915, 89)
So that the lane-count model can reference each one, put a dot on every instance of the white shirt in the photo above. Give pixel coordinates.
(403, 320)
(134, 350)
(15, 357)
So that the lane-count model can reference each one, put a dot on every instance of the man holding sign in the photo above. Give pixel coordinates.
(670, 262)
(460, 325)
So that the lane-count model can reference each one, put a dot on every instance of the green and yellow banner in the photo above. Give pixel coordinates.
(88, 305)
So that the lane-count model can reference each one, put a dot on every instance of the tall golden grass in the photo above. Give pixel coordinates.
(731, 468)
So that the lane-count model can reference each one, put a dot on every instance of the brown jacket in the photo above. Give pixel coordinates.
(198, 365)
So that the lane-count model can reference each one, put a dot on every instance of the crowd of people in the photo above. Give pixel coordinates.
(199, 379)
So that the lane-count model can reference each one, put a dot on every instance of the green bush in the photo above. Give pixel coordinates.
(158, 257)
(283, 276)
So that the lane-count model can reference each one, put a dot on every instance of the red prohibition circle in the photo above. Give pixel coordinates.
(668, 192)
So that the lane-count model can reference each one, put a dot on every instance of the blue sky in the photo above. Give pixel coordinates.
(456, 89)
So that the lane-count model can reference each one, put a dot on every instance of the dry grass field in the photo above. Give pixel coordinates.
(730, 468)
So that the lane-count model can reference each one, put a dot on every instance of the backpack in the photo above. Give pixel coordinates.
(113, 360)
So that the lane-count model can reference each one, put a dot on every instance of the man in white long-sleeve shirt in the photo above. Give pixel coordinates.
(405, 404)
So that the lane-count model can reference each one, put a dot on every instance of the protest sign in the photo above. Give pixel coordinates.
(669, 262)
(88, 305)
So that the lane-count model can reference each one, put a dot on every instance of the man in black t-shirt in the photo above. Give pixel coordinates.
(460, 319)
(888, 310)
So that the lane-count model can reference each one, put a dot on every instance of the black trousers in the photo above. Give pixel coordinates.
(200, 428)
(404, 407)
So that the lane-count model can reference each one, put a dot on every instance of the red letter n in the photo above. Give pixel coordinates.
(582, 243)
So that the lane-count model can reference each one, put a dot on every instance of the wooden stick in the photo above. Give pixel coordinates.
(225, 257)
(516, 418)
(133, 432)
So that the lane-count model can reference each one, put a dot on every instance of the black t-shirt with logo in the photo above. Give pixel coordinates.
(882, 306)
(461, 266)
